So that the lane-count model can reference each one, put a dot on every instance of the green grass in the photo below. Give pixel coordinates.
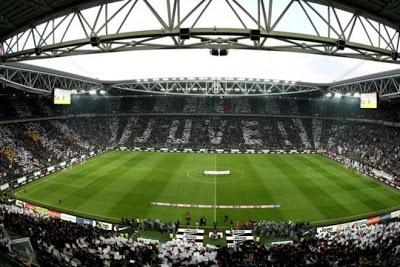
(122, 184)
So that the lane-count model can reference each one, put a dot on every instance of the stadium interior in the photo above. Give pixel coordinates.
(203, 171)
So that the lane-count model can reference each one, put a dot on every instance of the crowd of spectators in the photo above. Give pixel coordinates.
(61, 243)
(375, 146)
(152, 225)
(375, 245)
(275, 229)
(217, 133)
(33, 146)
(184, 253)
(22, 106)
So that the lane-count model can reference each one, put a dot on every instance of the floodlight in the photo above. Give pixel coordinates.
(337, 95)
(255, 35)
(38, 51)
(395, 55)
(223, 52)
(184, 33)
(95, 41)
(214, 52)
(92, 92)
(219, 52)
(341, 44)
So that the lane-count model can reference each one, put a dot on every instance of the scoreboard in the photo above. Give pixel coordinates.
(62, 97)
(369, 101)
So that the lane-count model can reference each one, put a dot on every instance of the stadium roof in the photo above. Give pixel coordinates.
(16, 15)
(387, 11)
(45, 29)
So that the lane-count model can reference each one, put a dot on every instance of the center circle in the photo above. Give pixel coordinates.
(197, 175)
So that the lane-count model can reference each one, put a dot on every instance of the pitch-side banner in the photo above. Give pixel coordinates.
(4, 187)
(102, 225)
(67, 217)
(395, 214)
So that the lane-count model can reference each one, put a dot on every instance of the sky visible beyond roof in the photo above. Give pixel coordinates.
(239, 63)
(199, 63)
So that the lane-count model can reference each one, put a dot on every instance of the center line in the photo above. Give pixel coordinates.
(215, 191)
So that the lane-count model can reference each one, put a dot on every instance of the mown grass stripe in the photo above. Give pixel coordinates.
(382, 190)
(257, 174)
(321, 199)
(105, 174)
(106, 200)
(42, 189)
(343, 182)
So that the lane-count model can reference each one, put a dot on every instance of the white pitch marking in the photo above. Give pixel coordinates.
(215, 190)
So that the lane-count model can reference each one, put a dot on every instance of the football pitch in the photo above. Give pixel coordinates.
(121, 184)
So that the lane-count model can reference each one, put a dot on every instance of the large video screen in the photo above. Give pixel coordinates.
(62, 97)
(369, 101)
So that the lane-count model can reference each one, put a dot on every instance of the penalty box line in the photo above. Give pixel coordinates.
(202, 206)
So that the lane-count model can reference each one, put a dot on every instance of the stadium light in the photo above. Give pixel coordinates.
(214, 52)
(223, 52)
(92, 92)
(38, 51)
(341, 44)
(337, 95)
(329, 95)
(94, 41)
(102, 92)
(184, 33)
(357, 95)
(255, 35)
